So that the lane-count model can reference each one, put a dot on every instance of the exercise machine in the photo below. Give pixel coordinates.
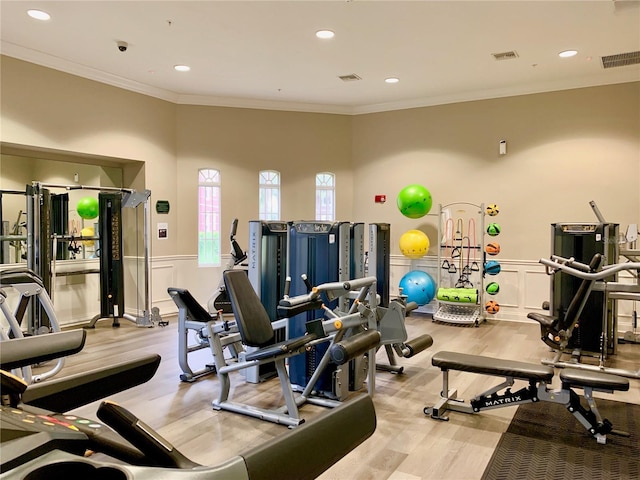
(556, 331)
(389, 322)
(538, 379)
(267, 260)
(395, 340)
(39, 442)
(581, 241)
(193, 318)
(32, 294)
(379, 258)
(391, 312)
(356, 250)
(318, 253)
(219, 301)
(342, 336)
(46, 228)
(267, 273)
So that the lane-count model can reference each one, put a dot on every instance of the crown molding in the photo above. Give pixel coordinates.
(623, 75)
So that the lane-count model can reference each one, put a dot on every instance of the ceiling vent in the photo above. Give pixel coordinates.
(352, 77)
(621, 60)
(505, 55)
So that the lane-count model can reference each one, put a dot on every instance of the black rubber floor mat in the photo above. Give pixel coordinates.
(544, 441)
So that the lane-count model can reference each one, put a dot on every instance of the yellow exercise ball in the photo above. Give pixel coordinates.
(88, 232)
(414, 244)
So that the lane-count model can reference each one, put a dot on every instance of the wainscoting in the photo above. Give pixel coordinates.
(524, 286)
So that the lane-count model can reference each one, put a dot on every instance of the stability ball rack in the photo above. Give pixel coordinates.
(42, 248)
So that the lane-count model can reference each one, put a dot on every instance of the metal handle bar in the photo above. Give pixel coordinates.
(332, 289)
(567, 265)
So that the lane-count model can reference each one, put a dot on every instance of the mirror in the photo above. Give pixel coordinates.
(20, 171)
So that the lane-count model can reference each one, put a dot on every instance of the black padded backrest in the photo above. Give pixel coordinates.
(252, 319)
(183, 299)
(577, 302)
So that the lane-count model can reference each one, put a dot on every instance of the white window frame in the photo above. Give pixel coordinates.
(209, 212)
(325, 196)
(269, 195)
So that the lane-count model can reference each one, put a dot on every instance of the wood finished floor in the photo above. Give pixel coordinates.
(407, 445)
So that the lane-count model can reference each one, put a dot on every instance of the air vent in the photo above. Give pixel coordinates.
(505, 55)
(621, 60)
(352, 77)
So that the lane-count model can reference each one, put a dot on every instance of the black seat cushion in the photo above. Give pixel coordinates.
(183, 299)
(491, 366)
(546, 321)
(572, 377)
(281, 348)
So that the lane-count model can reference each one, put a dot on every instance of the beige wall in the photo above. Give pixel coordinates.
(45, 108)
(242, 142)
(563, 150)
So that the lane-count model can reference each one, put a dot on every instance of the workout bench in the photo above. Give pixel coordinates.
(538, 377)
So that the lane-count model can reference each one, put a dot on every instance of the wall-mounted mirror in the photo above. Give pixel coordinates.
(20, 171)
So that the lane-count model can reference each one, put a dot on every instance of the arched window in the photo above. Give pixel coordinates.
(269, 208)
(325, 196)
(209, 211)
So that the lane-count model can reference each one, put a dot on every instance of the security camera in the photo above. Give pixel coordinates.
(122, 46)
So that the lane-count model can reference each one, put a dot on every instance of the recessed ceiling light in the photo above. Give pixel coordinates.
(568, 53)
(325, 34)
(392, 80)
(182, 68)
(38, 14)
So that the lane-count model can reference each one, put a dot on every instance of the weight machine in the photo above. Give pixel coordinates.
(44, 236)
(589, 274)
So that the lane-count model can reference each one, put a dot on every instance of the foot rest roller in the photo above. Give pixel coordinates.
(418, 344)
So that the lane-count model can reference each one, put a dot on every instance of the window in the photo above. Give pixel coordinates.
(325, 196)
(208, 218)
(269, 208)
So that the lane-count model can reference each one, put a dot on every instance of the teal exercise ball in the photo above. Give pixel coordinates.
(87, 208)
(492, 267)
(418, 286)
(414, 201)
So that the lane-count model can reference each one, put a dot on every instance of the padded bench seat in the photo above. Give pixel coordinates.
(545, 320)
(281, 348)
(599, 380)
(491, 366)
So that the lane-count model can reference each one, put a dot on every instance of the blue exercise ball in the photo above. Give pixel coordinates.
(492, 267)
(418, 286)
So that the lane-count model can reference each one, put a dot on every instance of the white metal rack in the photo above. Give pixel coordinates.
(461, 233)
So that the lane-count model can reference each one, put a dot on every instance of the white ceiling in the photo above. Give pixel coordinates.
(265, 54)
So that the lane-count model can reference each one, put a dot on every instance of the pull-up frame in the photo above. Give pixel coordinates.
(41, 242)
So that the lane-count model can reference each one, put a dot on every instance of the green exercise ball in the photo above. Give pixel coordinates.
(492, 288)
(414, 201)
(87, 208)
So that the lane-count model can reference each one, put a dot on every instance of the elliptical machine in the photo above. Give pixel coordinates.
(219, 301)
